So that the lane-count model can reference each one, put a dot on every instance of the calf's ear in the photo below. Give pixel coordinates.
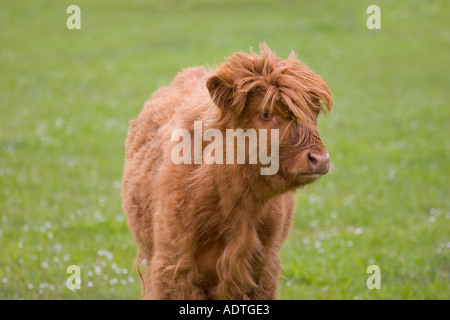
(221, 88)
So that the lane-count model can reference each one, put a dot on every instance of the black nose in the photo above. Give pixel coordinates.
(319, 162)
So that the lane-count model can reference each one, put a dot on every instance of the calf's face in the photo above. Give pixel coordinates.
(265, 92)
(302, 156)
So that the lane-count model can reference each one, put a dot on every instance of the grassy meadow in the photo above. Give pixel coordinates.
(66, 97)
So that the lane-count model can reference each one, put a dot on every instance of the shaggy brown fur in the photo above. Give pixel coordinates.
(214, 231)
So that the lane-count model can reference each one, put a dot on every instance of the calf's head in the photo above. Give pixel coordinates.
(266, 92)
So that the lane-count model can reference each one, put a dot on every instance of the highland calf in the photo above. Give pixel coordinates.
(211, 230)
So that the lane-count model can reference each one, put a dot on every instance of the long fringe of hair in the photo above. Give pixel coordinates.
(287, 82)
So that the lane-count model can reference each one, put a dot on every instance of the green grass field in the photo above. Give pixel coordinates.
(66, 97)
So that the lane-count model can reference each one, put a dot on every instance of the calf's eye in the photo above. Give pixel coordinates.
(266, 116)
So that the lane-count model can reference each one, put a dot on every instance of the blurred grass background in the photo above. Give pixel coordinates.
(66, 97)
